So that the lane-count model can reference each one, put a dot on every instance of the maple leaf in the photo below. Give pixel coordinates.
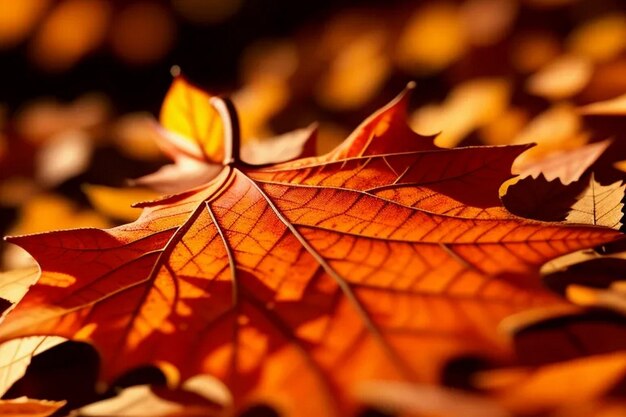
(599, 204)
(290, 283)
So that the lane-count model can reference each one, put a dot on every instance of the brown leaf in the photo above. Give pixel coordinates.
(599, 205)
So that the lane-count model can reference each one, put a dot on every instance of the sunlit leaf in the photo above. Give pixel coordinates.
(285, 281)
(599, 204)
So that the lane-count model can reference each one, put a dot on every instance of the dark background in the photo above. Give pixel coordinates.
(208, 55)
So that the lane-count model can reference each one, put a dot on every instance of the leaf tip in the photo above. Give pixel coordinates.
(175, 71)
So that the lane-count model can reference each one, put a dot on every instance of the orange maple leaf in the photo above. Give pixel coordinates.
(294, 282)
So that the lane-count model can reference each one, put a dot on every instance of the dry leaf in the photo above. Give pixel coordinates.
(285, 282)
(599, 205)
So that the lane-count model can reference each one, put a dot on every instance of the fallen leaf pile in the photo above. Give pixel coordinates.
(459, 253)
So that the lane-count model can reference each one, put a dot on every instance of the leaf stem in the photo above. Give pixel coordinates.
(232, 140)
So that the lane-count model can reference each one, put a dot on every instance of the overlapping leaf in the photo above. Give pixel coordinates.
(290, 283)
(599, 204)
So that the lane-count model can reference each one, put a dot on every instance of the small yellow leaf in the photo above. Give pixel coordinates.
(600, 39)
(186, 111)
